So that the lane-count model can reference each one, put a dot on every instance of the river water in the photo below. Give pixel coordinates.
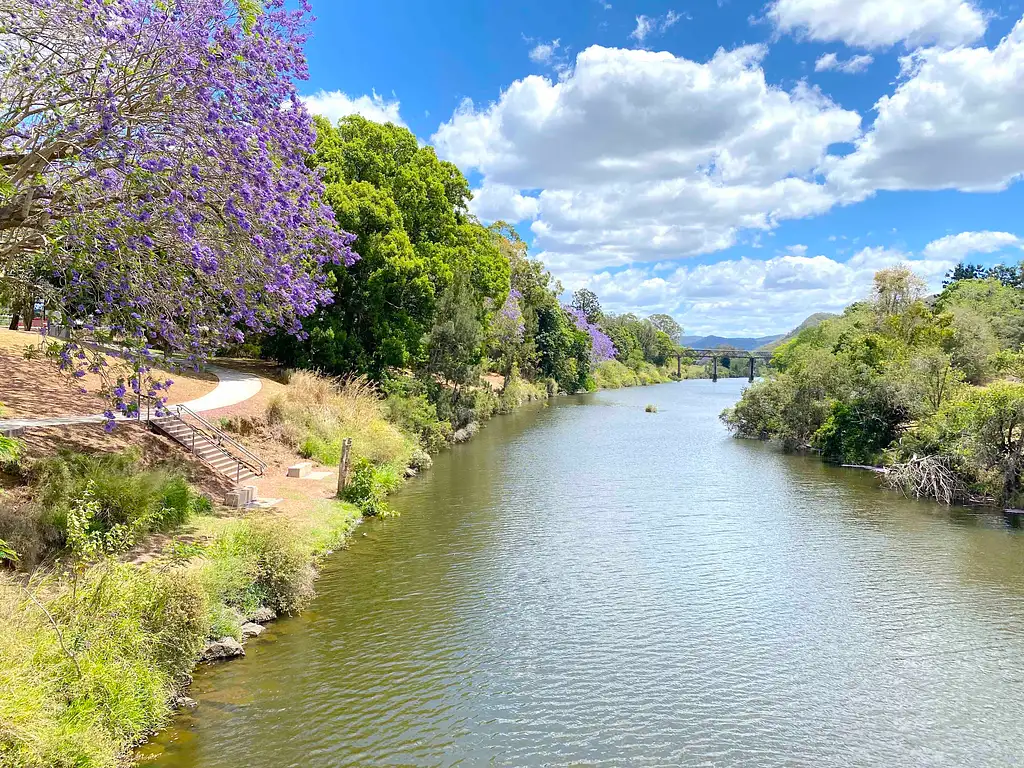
(587, 584)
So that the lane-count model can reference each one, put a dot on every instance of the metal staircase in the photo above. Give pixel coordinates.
(198, 436)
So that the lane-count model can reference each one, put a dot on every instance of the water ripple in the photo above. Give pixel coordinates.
(597, 586)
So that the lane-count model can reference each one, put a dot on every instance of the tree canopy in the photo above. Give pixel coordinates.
(153, 190)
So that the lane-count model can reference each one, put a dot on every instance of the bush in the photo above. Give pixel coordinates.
(613, 374)
(117, 500)
(369, 487)
(518, 391)
(408, 406)
(259, 562)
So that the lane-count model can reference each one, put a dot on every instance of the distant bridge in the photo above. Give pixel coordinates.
(715, 354)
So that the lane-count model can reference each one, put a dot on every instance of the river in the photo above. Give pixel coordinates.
(587, 584)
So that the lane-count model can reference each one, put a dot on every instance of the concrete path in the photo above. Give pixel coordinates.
(233, 387)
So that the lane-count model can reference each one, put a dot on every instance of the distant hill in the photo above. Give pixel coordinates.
(810, 322)
(745, 343)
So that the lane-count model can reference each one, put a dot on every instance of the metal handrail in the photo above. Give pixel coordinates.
(257, 465)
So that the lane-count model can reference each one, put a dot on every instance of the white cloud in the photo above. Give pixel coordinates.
(749, 296)
(499, 201)
(335, 105)
(881, 23)
(851, 66)
(716, 151)
(543, 53)
(648, 25)
(644, 25)
(958, 247)
(956, 121)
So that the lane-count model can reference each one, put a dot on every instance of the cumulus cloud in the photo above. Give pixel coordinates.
(958, 247)
(717, 151)
(750, 296)
(335, 105)
(543, 53)
(649, 25)
(850, 66)
(881, 23)
(956, 121)
(500, 201)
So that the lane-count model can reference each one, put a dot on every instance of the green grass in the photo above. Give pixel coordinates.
(89, 659)
(613, 374)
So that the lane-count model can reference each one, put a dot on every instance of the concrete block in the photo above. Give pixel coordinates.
(300, 470)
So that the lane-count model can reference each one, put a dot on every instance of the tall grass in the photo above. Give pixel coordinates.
(89, 659)
(316, 413)
(87, 666)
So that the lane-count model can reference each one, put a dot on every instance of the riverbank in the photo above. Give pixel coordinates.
(156, 596)
(550, 622)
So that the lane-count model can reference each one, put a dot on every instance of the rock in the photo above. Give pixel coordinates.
(411, 472)
(420, 460)
(262, 615)
(181, 701)
(250, 629)
(466, 432)
(225, 648)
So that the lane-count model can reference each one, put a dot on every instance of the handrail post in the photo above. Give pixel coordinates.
(193, 440)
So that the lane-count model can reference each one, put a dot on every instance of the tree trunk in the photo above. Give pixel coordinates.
(14, 321)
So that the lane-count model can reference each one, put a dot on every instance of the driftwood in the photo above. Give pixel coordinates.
(930, 477)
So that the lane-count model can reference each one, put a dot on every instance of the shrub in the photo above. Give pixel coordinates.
(115, 499)
(414, 413)
(518, 391)
(369, 487)
(651, 408)
(260, 561)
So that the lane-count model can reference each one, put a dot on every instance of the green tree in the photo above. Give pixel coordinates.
(667, 325)
(586, 301)
(453, 345)
(413, 234)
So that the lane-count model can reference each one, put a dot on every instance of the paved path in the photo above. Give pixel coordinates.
(233, 387)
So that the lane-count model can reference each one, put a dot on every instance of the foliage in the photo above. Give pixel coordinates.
(10, 450)
(453, 345)
(409, 212)
(99, 504)
(153, 190)
(586, 303)
(564, 349)
(409, 406)
(611, 374)
(518, 391)
(369, 487)
(259, 562)
(891, 381)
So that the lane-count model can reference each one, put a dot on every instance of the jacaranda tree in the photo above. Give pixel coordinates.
(153, 183)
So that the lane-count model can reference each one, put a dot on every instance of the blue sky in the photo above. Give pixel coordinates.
(736, 164)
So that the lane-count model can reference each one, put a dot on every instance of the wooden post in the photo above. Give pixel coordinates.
(751, 370)
(714, 372)
(679, 366)
(343, 466)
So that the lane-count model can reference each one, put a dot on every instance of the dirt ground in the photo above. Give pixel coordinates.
(34, 388)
